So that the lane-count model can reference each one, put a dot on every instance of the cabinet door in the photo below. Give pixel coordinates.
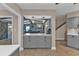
(44, 42)
(48, 41)
(76, 42)
(40, 42)
(70, 40)
(37, 42)
(33, 43)
(73, 41)
(27, 42)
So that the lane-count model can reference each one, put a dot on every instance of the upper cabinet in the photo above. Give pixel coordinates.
(73, 22)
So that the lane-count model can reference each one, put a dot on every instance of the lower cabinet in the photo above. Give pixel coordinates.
(48, 41)
(37, 42)
(26, 42)
(73, 41)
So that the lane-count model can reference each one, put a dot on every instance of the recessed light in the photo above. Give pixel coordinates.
(57, 3)
(43, 17)
(74, 3)
(32, 16)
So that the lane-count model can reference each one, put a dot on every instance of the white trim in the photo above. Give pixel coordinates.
(60, 38)
(53, 48)
(53, 33)
(12, 29)
(20, 32)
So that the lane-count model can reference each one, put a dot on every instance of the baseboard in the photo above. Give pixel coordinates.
(53, 48)
(21, 48)
(60, 38)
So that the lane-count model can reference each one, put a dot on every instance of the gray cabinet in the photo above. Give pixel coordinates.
(48, 41)
(33, 43)
(72, 22)
(26, 42)
(73, 41)
(40, 42)
(37, 42)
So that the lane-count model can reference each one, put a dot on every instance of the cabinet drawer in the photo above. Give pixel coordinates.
(73, 41)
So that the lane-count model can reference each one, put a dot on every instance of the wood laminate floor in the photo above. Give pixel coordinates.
(61, 50)
(5, 42)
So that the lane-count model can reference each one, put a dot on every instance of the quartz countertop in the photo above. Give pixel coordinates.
(37, 34)
(72, 34)
(7, 50)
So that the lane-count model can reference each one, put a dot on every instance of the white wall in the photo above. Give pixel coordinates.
(60, 33)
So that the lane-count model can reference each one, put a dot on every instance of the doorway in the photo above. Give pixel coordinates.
(6, 30)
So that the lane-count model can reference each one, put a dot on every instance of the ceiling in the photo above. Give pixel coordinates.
(61, 8)
(2, 7)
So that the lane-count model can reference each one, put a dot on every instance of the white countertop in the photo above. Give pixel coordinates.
(72, 34)
(37, 34)
(7, 50)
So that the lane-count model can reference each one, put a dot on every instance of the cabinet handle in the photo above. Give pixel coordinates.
(72, 36)
(45, 38)
(29, 39)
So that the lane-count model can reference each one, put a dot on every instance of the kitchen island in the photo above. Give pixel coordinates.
(37, 40)
(73, 40)
(9, 50)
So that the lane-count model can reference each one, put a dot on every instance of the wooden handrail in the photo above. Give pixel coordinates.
(60, 25)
